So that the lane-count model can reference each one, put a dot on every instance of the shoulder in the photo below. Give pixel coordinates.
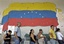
(58, 33)
(31, 35)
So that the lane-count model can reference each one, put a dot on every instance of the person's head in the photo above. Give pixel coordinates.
(57, 29)
(18, 24)
(52, 27)
(9, 32)
(40, 31)
(31, 31)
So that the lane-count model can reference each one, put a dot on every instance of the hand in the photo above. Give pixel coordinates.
(8, 38)
(35, 41)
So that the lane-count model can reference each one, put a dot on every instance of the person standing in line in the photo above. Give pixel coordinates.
(17, 33)
(52, 35)
(41, 37)
(60, 37)
(32, 37)
(7, 37)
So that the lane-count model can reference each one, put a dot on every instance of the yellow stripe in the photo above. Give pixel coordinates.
(30, 6)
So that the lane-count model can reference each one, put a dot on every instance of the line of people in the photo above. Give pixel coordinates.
(55, 36)
(39, 39)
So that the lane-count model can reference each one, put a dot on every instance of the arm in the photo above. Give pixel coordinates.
(5, 37)
(39, 36)
(51, 34)
(10, 40)
(15, 34)
(61, 35)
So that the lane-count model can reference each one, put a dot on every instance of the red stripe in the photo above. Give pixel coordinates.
(32, 22)
(5, 26)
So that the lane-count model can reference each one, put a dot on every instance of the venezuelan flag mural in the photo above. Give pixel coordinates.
(30, 14)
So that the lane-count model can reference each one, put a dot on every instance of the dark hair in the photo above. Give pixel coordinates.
(30, 32)
(19, 23)
(10, 31)
(57, 29)
(51, 25)
(40, 29)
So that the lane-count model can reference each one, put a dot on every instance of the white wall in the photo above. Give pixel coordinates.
(25, 30)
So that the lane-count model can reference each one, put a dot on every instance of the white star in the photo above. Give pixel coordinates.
(24, 13)
(40, 14)
(36, 12)
(21, 16)
(28, 12)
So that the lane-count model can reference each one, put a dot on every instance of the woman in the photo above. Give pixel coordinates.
(59, 36)
(7, 37)
(32, 37)
(40, 37)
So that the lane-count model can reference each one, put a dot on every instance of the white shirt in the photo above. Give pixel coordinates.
(18, 31)
(41, 36)
(59, 35)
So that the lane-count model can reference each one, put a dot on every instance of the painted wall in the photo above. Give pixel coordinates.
(59, 4)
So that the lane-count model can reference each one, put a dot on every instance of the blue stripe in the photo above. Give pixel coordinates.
(32, 14)
(4, 19)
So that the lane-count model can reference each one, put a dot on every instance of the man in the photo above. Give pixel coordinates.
(7, 37)
(17, 33)
(52, 35)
